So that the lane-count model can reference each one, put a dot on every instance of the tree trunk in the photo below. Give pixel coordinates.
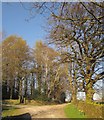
(21, 97)
(39, 85)
(89, 93)
(89, 85)
(74, 95)
(25, 90)
(74, 83)
(11, 91)
(32, 86)
(25, 87)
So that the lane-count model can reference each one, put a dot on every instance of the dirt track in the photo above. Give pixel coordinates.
(46, 111)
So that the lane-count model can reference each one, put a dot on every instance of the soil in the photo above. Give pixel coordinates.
(46, 111)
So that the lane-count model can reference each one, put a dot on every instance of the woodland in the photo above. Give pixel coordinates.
(71, 58)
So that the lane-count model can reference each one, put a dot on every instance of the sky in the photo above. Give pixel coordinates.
(14, 23)
(0, 16)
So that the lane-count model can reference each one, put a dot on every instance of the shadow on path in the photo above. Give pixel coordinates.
(25, 116)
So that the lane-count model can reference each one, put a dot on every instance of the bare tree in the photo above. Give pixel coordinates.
(78, 27)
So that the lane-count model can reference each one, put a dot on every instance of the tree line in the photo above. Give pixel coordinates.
(76, 30)
(31, 73)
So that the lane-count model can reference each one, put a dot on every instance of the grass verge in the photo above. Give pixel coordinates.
(71, 111)
(91, 109)
(11, 111)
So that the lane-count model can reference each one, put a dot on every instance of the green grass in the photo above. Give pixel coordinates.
(11, 102)
(72, 112)
(9, 108)
(10, 111)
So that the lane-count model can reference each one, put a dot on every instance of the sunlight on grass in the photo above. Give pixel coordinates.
(9, 108)
(72, 112)
(11, 112)
(11, 102)
(91, 109)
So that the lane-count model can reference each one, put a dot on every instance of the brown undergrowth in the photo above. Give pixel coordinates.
(91, 109)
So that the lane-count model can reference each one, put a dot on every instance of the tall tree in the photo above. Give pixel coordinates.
(50, 74)
(44, 57)
(83, 34)
(15, 57)
(78, 26)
